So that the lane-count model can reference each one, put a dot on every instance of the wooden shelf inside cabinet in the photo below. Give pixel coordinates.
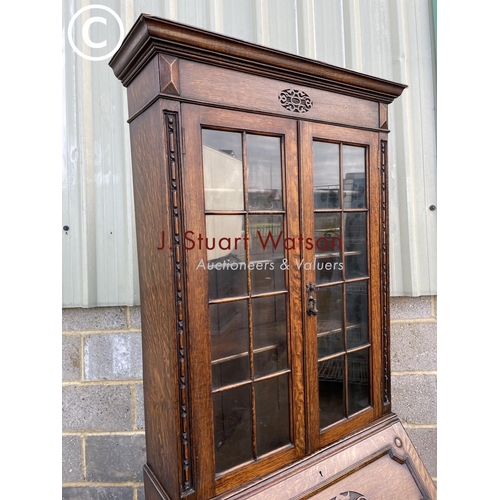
(225, 347)
(265, 320)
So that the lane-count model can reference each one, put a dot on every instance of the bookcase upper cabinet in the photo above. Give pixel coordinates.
(260, 185)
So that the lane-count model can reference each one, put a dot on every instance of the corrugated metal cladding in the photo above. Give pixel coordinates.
(392, 39)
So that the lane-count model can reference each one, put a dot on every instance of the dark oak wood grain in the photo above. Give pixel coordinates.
(216, 85)
(160, 371)
(184, 83)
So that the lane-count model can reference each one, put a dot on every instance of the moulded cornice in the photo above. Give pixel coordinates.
(151, 35)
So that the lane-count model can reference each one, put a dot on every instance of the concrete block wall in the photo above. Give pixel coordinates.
(103, 447)
(414, 372)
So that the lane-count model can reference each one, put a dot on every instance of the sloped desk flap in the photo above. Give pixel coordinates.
(379, 463)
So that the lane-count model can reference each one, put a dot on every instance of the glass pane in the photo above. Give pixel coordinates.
(264, 173)
(225, 244)
(331, 391)
(272, 413)
(230, 372)
(232, 427)
(229, 329)
(326, 175)
(266, 253)
(358, 381)
(222, 170)
(269, 334)
(270, 359)
(354, 177)
(330, 343)
(330, 312)
(328, 245)
(356, 313)
(355, 245)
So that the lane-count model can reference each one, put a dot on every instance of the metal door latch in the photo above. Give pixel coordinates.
(311, 300)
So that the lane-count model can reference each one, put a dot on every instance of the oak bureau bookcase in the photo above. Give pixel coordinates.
(260, 185)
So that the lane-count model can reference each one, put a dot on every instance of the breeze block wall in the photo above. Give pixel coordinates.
(414, 372)
(103, 446)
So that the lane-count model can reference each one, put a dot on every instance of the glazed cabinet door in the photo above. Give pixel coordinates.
(241, 202)
(284, 351)
(340, 187)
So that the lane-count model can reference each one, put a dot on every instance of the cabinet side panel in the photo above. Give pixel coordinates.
(375, 249)
(156, 274)
(153, 490)
(143, 87)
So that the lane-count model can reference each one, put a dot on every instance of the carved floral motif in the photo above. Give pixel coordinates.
(295, 100)
(349, 495)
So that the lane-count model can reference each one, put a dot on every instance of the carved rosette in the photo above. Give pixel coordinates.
(385, 270)
(172, 128)
(349, 495)
(295, 100)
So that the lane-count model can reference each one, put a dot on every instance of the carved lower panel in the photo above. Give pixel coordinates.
(379, 463)
(385, 271)
(173, 150)
(371, 478)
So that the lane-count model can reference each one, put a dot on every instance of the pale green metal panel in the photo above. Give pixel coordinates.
(238, 19)
(282, 24)
(413, 157)
(393, 39)
(99, 254)
(329, 33)
(72, 244)
(388, 38)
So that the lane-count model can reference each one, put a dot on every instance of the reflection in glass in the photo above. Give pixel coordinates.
(353, 159)
(272, 413)
(269, 334)
(328, 245)
(230, 372)
(266, 253)
(330, 343)
(222, 170)
(326, 175)
(329, 305)
(264, 172)
(270, 359)
(331, 391)
(356, 313)
(355, 245)
(358, 381)
(226, 255)
(228, 329)
(232, 427)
